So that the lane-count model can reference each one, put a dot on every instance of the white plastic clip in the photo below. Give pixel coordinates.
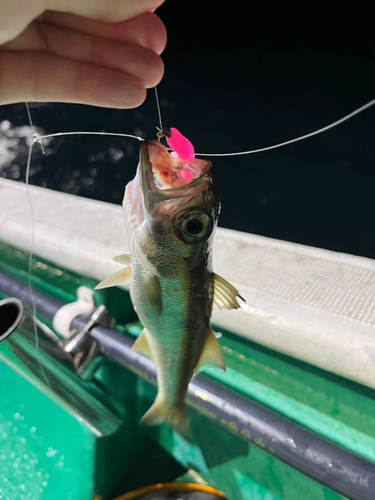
(66, 314)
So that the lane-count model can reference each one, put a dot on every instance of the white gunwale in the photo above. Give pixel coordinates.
(312, 304)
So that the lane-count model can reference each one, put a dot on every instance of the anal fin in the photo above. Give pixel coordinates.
(211, 354)
(141, 345)
(119, 278)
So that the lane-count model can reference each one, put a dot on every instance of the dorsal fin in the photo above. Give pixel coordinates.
(225, 295)
(211, 354)
(117, 279)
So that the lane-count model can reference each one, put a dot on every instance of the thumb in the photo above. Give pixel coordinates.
(112, 11)
(16, 15)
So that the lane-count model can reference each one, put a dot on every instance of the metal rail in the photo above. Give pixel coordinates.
(323, 461)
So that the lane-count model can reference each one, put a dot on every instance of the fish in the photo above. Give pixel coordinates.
(171, 211)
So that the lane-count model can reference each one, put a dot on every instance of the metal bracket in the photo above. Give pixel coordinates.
(81, 348)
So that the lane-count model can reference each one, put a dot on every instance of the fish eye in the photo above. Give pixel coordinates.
(192, 227)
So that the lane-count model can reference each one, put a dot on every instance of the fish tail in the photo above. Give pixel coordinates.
(159, 413)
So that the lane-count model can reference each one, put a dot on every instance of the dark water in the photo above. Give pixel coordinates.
(236, 80)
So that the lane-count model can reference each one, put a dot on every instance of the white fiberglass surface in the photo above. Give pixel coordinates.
(309, 303)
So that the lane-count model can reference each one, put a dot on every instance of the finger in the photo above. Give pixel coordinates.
(146, 30)
(109, 10)
(138, 61)
(30, 76)
(15, 16)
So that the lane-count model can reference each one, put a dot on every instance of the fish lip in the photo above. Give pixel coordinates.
(147, 176)
(148, 180)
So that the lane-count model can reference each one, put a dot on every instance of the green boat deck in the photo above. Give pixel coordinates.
(47, 451)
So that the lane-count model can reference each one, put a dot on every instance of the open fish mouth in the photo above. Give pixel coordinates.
(163, 171)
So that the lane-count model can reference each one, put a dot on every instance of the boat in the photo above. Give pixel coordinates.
(291, 418)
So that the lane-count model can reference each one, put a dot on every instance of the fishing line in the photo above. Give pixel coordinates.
(161, 132)
(158, 106)
(37, 138)
(60, 134)
(35, 134)
(29, 115)
(311, 134)
(27, 181)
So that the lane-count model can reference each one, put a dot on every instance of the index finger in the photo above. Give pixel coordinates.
(146, 30)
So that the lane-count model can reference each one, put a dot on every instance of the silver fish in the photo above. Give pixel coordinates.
(171, 210)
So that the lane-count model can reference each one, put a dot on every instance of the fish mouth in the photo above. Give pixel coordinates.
(164, 176)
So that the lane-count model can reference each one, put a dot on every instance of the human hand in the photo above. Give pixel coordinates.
(99, 52)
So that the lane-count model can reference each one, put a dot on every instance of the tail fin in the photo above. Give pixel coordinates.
(159, 413)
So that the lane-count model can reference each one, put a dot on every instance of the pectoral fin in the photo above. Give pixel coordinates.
(141, 345)
(211, 355)
(225, 295)
(119, 278)
(123, 259)
(153, 295)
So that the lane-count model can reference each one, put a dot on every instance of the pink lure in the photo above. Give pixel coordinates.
(180, 145)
